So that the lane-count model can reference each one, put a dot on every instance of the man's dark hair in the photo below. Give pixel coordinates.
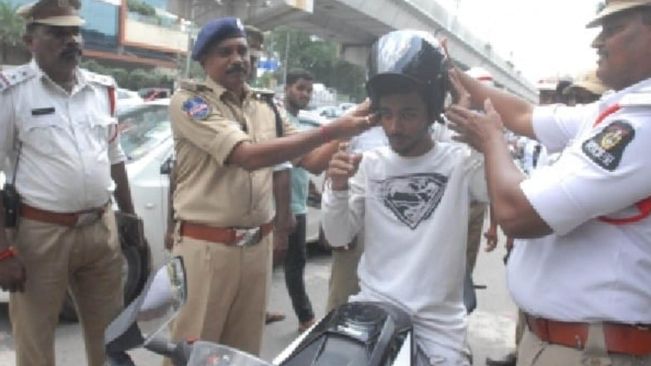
(295, 75)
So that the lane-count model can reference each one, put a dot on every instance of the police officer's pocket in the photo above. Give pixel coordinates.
(98, 132)
(40, 133)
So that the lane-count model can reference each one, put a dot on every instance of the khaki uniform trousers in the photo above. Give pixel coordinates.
(343, 281)
(227, 293)
(534, 352)
(86, 259)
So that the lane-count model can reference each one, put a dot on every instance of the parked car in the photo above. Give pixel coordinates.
(127, 99)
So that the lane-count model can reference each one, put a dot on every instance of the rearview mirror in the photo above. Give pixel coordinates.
(147, 315)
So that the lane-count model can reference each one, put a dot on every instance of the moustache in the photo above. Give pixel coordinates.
(236, 68)
(72, 51)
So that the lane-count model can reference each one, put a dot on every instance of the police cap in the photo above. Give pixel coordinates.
(59, 13)
(216, 31)
(614, 7)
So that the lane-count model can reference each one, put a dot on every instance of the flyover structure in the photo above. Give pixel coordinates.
(355, 24)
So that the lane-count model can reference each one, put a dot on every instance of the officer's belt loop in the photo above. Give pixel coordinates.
(634, 340)
(241, 237)
(72, 219)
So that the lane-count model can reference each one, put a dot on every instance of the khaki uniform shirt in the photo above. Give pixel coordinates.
(207, 123)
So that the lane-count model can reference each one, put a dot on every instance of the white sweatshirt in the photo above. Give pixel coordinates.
(414, 211)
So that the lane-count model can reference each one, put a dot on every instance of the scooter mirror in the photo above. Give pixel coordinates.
(146, 316)
(163, 299)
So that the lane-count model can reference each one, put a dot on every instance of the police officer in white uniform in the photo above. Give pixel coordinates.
(59, 135)
(583, 276)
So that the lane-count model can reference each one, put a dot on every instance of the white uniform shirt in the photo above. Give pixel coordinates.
(589, 270)
(414, 213)
(68, 141)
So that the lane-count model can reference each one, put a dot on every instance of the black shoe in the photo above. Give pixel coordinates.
(510, 360)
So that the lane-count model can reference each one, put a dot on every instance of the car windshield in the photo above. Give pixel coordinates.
(143, 128)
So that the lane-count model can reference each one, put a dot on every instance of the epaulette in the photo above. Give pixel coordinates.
(103, 80)
(15, 76)
(640, 98)
(194, 86)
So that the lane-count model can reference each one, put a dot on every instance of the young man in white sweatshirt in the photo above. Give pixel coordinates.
(410, 199)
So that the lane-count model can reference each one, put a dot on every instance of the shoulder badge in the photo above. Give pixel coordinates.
(607, 147)
(103, 80)
(197, 108)
(15, 76)
(194, 86)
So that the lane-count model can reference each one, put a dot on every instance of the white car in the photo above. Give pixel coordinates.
(127, 99)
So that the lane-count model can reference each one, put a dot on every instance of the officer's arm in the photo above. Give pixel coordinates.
(122, 191)
(316, 161)
(513, 211)
(516, 112)
(264, 154)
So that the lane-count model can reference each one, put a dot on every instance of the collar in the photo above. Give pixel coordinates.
(612, 97)
(40, 74)
(221, 92)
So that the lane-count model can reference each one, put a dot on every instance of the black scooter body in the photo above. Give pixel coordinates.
(356, 333)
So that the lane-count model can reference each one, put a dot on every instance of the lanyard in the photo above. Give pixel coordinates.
(643, 206)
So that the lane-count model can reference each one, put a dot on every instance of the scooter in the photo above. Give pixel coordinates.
(358, 333)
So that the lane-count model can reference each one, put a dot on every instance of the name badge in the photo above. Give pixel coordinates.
(42, 111)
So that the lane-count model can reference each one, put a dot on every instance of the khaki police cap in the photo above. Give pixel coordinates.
(616, 6)
(59, 13)
(590, 82)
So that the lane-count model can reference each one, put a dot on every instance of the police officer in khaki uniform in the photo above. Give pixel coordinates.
(225, 143)
(59, 133)
(582, 270)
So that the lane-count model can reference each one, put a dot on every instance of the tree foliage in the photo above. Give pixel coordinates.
(319, 57)
(131, 79)
(11, 28)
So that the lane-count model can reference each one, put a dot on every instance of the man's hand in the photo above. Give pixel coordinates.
(353, 122)
(475, 128)
(343, 165)
(460, 95)
(491, 238)
(12, 275)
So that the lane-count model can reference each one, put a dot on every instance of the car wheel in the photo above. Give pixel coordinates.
(131, 276)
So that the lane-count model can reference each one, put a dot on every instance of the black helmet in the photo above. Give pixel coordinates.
(409, 56)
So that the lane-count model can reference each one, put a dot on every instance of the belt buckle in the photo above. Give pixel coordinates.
(87, 218)
(246, 237)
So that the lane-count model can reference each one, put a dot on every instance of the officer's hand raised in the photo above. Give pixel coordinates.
(475, 128)
(343, 165)
(352, 123)
(12, 274)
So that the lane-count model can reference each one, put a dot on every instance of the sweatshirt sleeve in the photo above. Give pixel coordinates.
(343, 211)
